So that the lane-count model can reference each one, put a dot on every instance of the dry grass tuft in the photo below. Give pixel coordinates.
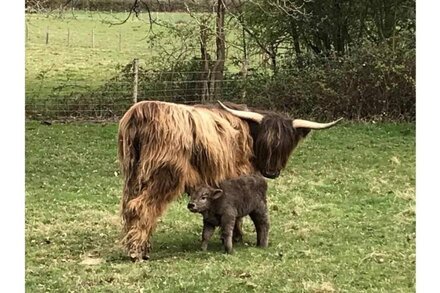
(324, 287)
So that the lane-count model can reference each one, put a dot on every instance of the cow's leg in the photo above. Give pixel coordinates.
(238, 232)
(143, 214)
(140, 214)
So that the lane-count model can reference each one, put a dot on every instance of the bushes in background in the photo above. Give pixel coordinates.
(375, 82)
(372, 83)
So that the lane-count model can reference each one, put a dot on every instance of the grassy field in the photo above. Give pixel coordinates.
(77, 63)
(72, 61)
(77, 75)
(342, 216)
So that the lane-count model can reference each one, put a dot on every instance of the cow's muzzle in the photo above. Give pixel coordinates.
(271, 174)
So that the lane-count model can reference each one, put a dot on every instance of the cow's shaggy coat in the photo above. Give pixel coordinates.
(165, 148)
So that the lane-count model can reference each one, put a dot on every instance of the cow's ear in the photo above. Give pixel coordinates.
(302, 131)
(216, 193)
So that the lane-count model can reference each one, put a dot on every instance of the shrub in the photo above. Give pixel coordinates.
(374, 82)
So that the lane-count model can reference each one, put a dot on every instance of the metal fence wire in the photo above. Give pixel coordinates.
(74, 99)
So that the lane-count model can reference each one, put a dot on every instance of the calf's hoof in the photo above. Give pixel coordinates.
(229, 250)
(262, 245)
(237, 238)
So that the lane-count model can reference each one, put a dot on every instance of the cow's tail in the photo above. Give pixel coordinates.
(129, 151)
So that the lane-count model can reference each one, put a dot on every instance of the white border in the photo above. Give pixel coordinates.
(12, 146)
(427, 146)
(12, 213)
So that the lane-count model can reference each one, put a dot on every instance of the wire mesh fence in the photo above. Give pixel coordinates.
(76, 65)
(74, 99)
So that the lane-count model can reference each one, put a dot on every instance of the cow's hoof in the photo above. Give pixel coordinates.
(140, 259)
(137, 257)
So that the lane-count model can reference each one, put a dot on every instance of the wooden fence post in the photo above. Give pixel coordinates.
(27, 32)
(68, 37)
(135, 79)
(120, 41)
(47, 35)
(93, 38)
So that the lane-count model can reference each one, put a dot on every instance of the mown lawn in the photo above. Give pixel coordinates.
(342, 219)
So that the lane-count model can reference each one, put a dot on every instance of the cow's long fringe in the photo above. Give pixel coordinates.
(165, 149)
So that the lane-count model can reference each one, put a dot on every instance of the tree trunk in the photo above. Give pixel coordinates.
(296, 44)
(339, 40)
(245, 65)
(273, 57)
(217, 71)
(205, 72)
(295, 38)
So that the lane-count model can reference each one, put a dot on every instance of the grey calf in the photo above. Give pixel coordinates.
(234, 199)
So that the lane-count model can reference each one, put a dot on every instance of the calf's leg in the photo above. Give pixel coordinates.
(261, 222)
(227, 224)
(238, 232)
(208, 230)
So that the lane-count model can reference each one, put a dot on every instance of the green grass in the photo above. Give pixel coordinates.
(342, 219)
(60, 68)
(55, 64)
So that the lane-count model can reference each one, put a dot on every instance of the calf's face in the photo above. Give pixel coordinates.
(202, 197)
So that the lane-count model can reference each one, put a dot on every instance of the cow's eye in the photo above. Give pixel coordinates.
(204, 197)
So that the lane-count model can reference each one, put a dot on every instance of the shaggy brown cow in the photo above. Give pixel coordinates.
(234, 199)
(165, 149)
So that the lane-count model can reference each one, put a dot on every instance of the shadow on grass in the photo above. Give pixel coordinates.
(88, 239)
(175, 246)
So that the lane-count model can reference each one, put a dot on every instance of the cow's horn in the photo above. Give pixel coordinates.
(244, 114)
(298, 123)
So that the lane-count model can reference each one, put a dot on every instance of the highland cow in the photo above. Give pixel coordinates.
(233, 200)
(165, 149)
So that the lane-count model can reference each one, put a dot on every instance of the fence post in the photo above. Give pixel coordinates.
(93, 38)
(27, 32)
(47, 35)
(120, 41)
(135, 79)
(68, 37)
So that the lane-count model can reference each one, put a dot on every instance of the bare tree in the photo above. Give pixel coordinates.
(35, 5)
(212, 75)
(205, 72)
(219, 65)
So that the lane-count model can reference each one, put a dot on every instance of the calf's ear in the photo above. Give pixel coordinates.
(189, 190)
(216, 193)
